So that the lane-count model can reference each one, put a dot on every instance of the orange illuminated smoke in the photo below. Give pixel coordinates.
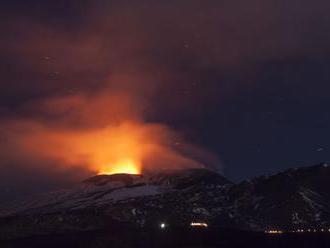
(130, 147)
(103, 134)
(109, 150)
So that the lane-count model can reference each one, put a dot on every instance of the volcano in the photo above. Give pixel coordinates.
(296, 198)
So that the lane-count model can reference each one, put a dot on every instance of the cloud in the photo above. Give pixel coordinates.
(73, 69)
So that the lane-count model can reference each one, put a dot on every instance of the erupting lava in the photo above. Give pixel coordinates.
(114, 149)
(127, 166)
(103, 140)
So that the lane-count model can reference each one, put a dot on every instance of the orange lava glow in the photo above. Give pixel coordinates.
(101, 135)
(113, 149)
(127, 166)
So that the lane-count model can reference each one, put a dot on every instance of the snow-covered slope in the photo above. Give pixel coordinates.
(296, 198)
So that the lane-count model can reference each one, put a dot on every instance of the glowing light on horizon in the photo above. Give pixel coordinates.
(127, 166)
(274, 231)
(198, 224)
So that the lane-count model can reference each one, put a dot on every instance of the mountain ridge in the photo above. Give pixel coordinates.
(291, 199)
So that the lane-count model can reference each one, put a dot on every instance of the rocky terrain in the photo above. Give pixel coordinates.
(296, 198)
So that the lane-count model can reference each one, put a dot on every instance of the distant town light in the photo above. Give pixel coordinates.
(304, 230)
(198, 224)
(274, 231)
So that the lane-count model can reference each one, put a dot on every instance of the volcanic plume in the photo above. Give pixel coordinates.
(103, 132)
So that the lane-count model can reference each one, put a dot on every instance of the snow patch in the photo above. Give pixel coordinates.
(125, 193)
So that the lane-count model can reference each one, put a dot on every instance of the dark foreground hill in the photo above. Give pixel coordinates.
(290, 200)
(171, 238)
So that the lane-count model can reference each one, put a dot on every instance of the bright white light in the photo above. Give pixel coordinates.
(162, 225)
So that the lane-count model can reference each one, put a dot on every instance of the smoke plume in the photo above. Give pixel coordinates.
(87, 86)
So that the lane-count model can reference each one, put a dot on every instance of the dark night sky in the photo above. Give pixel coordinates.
(246, 80)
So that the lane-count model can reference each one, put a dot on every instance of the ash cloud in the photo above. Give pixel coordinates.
(85, 65)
